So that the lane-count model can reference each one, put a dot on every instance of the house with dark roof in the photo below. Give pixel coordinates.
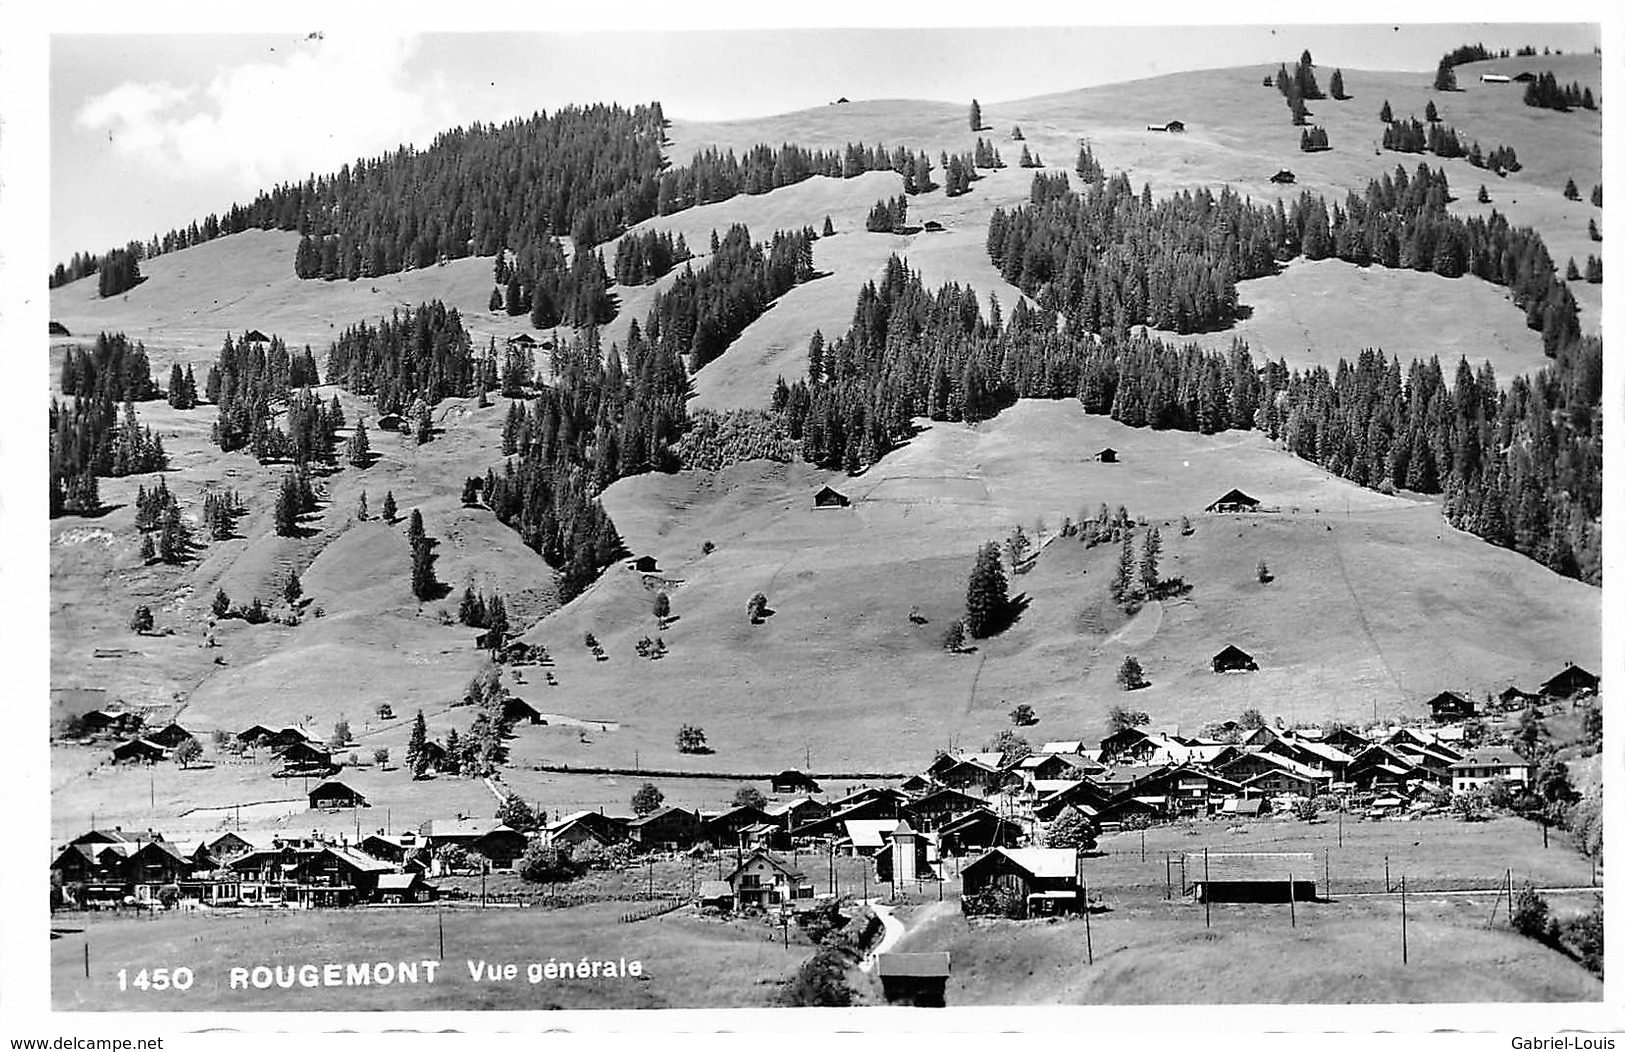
(498, 844)
(1107, 455)
(524, 341)
(170, 736)
(518, 710)
(256, 736)
(793, 781)
(1044, 878)
(977, 831)
(1513, 699)
(1250, 876)
(335, 795)
(403, 888)
(1447, 706)
(1283, 176)
(919, 980)
(1234, 659)
(1572, 682)
(669, 828)
(254, 336)
(646, 564)
(939, 806)
(763, 880)
(723, 830)
(830, 498)
(584, 826)
(302, 758)
(139, 750)
(1235, 500)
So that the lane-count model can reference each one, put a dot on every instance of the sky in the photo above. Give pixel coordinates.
(149, 131)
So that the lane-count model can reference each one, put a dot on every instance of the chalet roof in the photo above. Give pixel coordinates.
(1447, 697)
(1062, 747)
(399, 881)
(912, 965)
(869, 832)
(1052, 862)
(356, 860)
(1231, 652)
(971, 818)
(714, 889)
(335, 788)
(1571, 680)
(1493, 756)
(776, 863)
(254, 336)
(1250, 865)
(659, 813)
(471, 828)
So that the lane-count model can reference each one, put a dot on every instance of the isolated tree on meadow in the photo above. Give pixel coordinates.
(293, 589)
(1012, 745)
(417, 758)
(691, 739)
(987, 596)
(1262, 571)
(361, 508)
(1431, 113)
(1023, 716)
(1120, 719)
(1150, 554)
(829, 227)
(389, 508)
(975, 115)
(1596, 195)
(1251, 720)
(953, 637)
(514, 813)
(1337, 85)
(1387, 114)
(662, 605)
(1130, 676)
(1483, 194)
(1571, 191)
(141, 620)
(1123, 580)
(1444, 78)
(647, 799)
(221, 605)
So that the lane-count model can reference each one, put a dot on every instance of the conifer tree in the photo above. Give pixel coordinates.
(1149, 557)
(1123, 580)
(975, 115)
(1337, 85)
(293, 589)
(221, 605)
(1387, 114)
(389, 506)
(1571, 191)
(359, 448)
(1431, 113)
(361, 508)
(829, 227)
(986, 596)
(417, 760)
(1444, 79)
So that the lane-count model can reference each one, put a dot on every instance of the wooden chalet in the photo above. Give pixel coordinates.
(646, 564)
(58, 329)
(1085, 795)
(1170, 126)
(1524, 78)
(1513, 699)
(403, 888)
(518, 710)
(1046, 879)
(866, 837)
(830, 498)
(307, 874)
(1316, 754)
(1129, 745)
(302, 758)
(940, 806)
(791, 815)
(977, 831)
(139, 750)
(1185, 790)
(256, 736)
(723, 830)
(1250, 876)
(1234, 659)
(1572, 682)
(1235, 500)
(1380, 768)
(287, 736)
(933, 227)
(763, 880)
(919, 980)
(494, 842)
(1107, 455)
(793, 781)
(104, 721)
(1283, 176)
(228, 846)
(584, 826)
(1447, 706)
(524, 341)
(668, 828)
(395, 849)
(332, 796)
(170, 736)
(1345, 739)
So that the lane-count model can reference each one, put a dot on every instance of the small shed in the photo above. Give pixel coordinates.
(1251, 876)
(518, 710)
(1235, 500)
(1283, 176)
(1234, 659)
(524, 339)
(403, 887)
(1107, 455)
(715, 894)
(933, 227)
(915, 979)
(254, 336)
(332, 795)
(1494, 78)
(830, 498)
(58, 329)
(1524, 78)
(646, 564)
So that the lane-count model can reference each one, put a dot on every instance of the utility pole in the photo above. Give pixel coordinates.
(1387, 881)
(1340, 827)
(1142, 845)
(1088, 935)
(440, 921)
(1292, 899)
(1404, 936)
(1207, 889)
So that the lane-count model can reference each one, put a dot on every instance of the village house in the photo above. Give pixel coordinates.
(487, 838)
(715, 894)
(1447, 706)
(978, 831)
(1484, 766)
(1571, 683)
(932, 810)
(793, 781)
(585, 826)
(763, 880)
(865, 837)
(1283, 176)
(402, 888)
(518, 710)
(1107, 455)
(666, 828)
(790, 815)
(170, 736)
(1045, 879)
(1234, 659)
(331, 796)
(139, 750)
(723, 829)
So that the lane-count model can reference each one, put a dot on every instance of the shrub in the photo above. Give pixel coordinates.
(1023, 716)
(380, 756)
(141, 620)
(821, 981)
(997, 901)
(1130, 676)
(1529, 913)
(691, 739)
(757, 608)
(648, 798)
(953, 638)
(546, 864)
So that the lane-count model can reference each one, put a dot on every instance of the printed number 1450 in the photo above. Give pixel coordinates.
(156, 979)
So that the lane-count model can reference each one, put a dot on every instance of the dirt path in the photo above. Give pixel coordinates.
(894, 932)
(1142, 628)
(1359, 614)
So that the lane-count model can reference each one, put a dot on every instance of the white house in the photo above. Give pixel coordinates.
(1483, 766)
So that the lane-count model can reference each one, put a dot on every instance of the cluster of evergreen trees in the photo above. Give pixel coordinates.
(598, 421)
(220, 513)
(1313, 140)
(88, 438)
(182, 387)
(483, 748)
(119, 271)
(421, 353)
(485, 611)
(1544, 92)
(1109, 252)
(295, 497)
(113, 369)
(958, 172)
(717, 175)
(540, 283)
(887, 215)
(986, 155)
(165, 537)
(1029, 159)
(1300, 85)
(247, 379)
(642, 258)
(704, 310)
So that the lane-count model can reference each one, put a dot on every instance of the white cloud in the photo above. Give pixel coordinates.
(327, 102)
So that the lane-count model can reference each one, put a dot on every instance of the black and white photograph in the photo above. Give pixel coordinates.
(938, 517)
